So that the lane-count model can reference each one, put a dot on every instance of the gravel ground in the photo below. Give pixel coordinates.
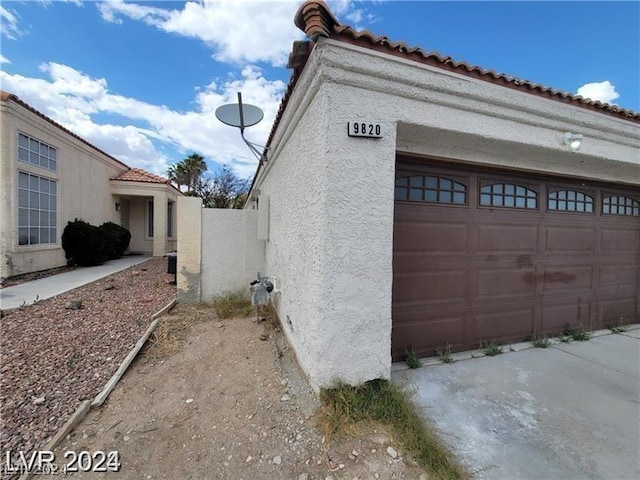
(52, 357)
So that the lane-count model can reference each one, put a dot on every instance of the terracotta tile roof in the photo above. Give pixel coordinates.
(10, 97)
(315, 19)
(140, 175)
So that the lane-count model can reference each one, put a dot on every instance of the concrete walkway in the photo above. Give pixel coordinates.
(29, 292)
(566, 412)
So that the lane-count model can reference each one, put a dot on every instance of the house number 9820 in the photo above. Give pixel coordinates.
(365, 129)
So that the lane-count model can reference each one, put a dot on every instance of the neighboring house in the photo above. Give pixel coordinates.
(50, 176)
(467, 215)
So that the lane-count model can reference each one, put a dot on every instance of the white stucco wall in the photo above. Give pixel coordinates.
(231, 252)
(190, 240)
(83, 188)
(449, 115)
(331, 196)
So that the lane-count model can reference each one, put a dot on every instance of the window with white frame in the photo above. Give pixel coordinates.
(37, 153)
(37, 208)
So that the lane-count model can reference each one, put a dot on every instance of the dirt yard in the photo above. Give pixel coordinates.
(230, 404)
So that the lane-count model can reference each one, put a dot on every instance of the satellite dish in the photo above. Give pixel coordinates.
(243, 115)
(239, 115)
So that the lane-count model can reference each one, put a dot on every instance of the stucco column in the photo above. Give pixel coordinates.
(190, 239)
(354, 329)
(159, 224)
(8, 228)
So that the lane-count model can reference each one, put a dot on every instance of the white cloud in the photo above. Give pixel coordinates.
(46, 3)
(4, 59)
(73, 98)
(603, 91)
(9, 24)
(237, 31)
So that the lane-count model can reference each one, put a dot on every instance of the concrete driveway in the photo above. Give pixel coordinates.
(571, 411)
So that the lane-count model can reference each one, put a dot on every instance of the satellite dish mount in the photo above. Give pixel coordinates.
(241, 116)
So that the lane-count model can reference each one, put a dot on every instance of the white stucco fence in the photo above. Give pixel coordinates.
(218, 250)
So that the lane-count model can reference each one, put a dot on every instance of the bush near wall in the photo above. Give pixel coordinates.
(117, 241)
(87, 245)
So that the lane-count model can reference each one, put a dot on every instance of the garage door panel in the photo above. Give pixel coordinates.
(612, 312)
(501, 238)
(620, 240)
(570, 239)
(418, 263)
(501, 283)
(555, 318)
(567, 278)
(428, 335)
(618, 275)
(425, 287)
(504, 325)
(431, 237)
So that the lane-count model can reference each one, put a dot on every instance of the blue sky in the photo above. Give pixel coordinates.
(142, 80)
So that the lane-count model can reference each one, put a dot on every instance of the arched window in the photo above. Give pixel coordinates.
(570, 201)
(620, 205)
(427, 188)
(508, 195)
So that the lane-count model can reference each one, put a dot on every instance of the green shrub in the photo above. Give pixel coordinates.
(84, 244)
(118, 239)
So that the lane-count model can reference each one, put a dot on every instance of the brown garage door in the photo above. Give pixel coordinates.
(486, 256)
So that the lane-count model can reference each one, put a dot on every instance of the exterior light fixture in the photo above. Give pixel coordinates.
(573, 141)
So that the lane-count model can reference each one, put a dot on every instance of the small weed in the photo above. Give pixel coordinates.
(380, 402)
(411, 357)
(139, 322)
(37, 299)
(444, 354)
(490, 349)
(71, 363)
(23, 304)
(233, 304)
(540, 342)
(264, 337)
(579, 334)
(620, 328)
(543, 342)
(565, 339)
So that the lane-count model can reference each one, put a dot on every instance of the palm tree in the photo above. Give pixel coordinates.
(194, 166)
(176, 174)
(188, 172)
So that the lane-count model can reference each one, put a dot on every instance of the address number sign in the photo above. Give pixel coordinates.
(365, 129)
